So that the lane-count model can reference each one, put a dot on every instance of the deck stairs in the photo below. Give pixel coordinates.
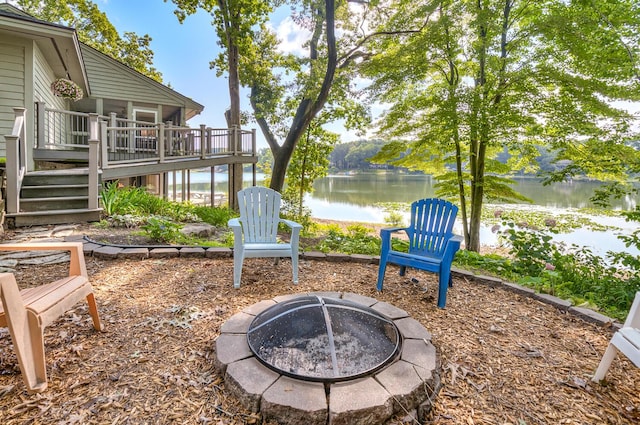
(54, 197)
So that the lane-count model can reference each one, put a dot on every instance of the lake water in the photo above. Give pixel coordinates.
(358, 197)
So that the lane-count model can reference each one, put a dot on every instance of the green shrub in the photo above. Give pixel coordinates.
(357, 240)
(125, 200)
(108, 196)
(163, 230)
(608, 283)
(394, 219)
(216, 216)
(491, 264)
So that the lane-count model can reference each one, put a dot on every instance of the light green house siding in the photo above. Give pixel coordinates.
(12, 86)
(110, 79)
(125, 91)
(43, 77)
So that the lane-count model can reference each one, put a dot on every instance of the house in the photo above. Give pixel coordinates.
(127, 127)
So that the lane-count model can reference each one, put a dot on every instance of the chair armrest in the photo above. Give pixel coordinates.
(295, 230)
(236, 226)
(389, 230)
(452, 246)
(77, 266)
(385, 234)
(292, 224)
(456, 240)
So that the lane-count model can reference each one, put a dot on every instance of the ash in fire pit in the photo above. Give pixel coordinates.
(323, 339)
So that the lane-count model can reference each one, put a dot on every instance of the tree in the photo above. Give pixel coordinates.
(309, 162)
(485, 75)
(359, 157)
(286, 91)
(353, 155)
(235, 22)
(95, 29)
(313, 79)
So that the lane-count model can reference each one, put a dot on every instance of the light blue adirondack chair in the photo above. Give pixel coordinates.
(626, 340)
(255, 232)
(432, 243)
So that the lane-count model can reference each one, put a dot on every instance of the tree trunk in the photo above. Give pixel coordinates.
(233, 114)
(308, 108)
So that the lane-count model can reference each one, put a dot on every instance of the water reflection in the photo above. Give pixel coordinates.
(370, 188)
(357, 198)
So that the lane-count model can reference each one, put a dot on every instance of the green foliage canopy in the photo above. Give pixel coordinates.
(478, 77)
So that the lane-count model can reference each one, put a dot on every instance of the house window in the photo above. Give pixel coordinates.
(146, 136)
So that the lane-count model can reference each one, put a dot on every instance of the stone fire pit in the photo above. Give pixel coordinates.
(407, 384)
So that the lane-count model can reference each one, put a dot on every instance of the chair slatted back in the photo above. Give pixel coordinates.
(431, 226)
(633, 318)
(259, 214)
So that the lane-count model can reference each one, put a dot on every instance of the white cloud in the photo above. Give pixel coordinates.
(292, 37)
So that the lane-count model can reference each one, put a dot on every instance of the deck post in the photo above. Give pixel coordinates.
(40, 119)
(203, 138)
(210, 149)
(213, 186)
(13, 200)
(94, 158)
(161, 141)
(104, 144)
(113, 123)
(253, 142)
(16, 160)
(172, 137)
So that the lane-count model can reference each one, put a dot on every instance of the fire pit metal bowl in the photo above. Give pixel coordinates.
(323, 339)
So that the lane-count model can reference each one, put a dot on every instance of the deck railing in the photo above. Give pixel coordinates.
(123, 141)
(112, 141)
(57, 128)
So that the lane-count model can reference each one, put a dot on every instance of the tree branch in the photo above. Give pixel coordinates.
(262, 122)
(354, 52)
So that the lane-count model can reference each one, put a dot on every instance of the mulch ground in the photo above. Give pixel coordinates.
(506, 358)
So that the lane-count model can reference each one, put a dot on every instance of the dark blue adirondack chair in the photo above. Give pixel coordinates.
(432, 243)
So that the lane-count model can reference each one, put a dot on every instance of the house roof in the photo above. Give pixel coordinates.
(58, 43)
(99, 75)
(112, 79)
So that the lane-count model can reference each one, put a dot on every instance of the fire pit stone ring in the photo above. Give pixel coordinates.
(407, 383)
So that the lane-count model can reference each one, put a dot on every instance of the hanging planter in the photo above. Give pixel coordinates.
(66, 89)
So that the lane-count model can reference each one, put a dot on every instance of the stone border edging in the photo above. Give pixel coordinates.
(113, 252)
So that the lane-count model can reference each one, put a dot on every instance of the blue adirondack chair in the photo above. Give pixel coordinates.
(432, 243)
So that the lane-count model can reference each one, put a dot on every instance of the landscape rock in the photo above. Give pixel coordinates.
(198, 230)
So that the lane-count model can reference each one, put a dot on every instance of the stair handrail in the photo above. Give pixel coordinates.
(16, 146)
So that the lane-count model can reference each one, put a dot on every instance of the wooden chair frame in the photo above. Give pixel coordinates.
(27, 312)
